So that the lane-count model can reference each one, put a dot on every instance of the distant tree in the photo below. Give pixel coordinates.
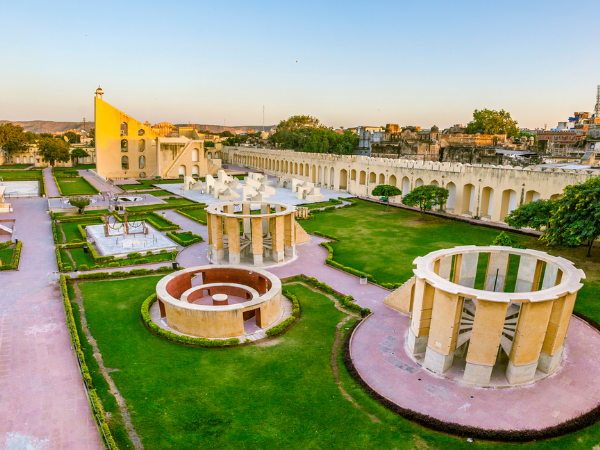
(226, 134)
(385, 191)
(12, 138)
(31, 137)
(92, 133)
(78, 153)
(527, 135)
(72, 137)
(52, 150)
(80, 203)
(576, 216)
(46, 135)
(208, 144)
(489, 121)
(426, 197)
(70, 173)
(532, 215)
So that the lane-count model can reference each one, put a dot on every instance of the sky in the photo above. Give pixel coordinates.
(346, 63)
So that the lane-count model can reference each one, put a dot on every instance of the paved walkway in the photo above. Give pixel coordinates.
(99, 184)
(51, 187)
(43, 404)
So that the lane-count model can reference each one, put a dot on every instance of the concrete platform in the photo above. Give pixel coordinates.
(99, 202)
(119, 245)
(16, 189)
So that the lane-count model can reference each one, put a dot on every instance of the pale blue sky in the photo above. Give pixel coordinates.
(369, 63)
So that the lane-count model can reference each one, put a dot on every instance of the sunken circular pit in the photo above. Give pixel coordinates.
(218, 302)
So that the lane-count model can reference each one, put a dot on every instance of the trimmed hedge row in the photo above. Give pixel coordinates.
(283, 326)
(185, 340)
(16, 256)
(85, 372)
(185, 242)
(172, 225)
(347, 301)
(195, 219)
(570, 426)
(123, 274)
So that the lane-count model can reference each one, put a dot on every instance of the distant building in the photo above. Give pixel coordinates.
(565, 135)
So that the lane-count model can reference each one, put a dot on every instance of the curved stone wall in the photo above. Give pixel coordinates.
(176, 295)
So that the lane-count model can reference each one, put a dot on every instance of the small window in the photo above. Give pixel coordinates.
(142, 162)
(125, 163)
(142, 174)
(141, 132)
(123, 145)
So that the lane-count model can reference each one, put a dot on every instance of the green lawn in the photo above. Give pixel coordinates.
(85, 166)
(7, 175)
(148, 184)
(197, 213)
(160, 193)
(76, 186)
(6, 255)
(16, 166)
(170, 204)
(71, 231)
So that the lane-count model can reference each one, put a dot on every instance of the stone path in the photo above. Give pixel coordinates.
(43, 404)
(51, 187)
(99, 184)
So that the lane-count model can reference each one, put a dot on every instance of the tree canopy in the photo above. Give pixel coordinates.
(532, 215)
(489, 121)
(72, 137)
(80, 203)
(426, 197)
(12, 138)
(576, 216)
(307, 134)
(52, 150)
(386, 191)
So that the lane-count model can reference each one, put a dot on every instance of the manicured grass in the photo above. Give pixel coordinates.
(281, 396)
(7, 175)
(85, 166)
(76, 186)
(16, 166)
(71, 231)
(148, 184)
(197, 213)
(385, 244)
(170, 204)
(6, 255)
(158, 220)
(160, 193)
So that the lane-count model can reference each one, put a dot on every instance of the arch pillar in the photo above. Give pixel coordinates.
(216, 229)
(233, 238)
(485, 341)
(554, 340)
(445, 324)
(290, 242)
(246, 212)
(278, 238)
(420, 320)
(527, 344)
(257, 241)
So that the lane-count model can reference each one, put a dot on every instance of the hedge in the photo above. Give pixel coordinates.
(16, 257)
(346, 301)
(195, 219)
(123, 274)
(185, 340)
(283, 326)
(185, 243)
(85, 372)
(171, 227)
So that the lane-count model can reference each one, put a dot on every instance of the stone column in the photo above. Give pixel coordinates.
(497, 268)
(246, 212)
(264, 209)
(216, 229)
(527, 344)
(420, 319)
(257, 241)
(552, 348)
(551, 276)
(529, 271)
(485, 341)
(278, 235)
(290, 235)
(208, 221)
(468, 269)
(233, 238)
(443, 267)
(443, 334)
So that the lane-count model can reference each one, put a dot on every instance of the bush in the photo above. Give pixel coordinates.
(114, 264)
(506, 241)
(83, 267)
(134, 255)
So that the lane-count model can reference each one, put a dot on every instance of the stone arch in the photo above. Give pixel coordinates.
(209, 155)
(531, 196)
(216, 155)
(343, 179)
(451, 202)
(124, 163)
(142, 161)
(555, 196)
(325, 177)
(434, 183)
(141, 145)
(393, 180)
(468, 198)
(363, 177)
(509, 203)
(331, 178)
(301, 169)
(195, 155)
(141, 132)
(124, 129)
(381, 178)
(182, 171)
(314, 174)
(296, 168)
(195, 170)
(124, 145)
(405, 186)
(306, 169)
(419, 182)
(372, 177)
(320, 175)
(487, 202)
(353, 174)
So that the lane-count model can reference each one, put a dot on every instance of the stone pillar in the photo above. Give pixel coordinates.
(257, 241)
(468, 269)
(529, 269)
(527, 344)
(551, 276)
(208, 222)
(277, 236)
(485, 341)
(233, 238)
(443, 267)
(497, 268)
(264, 209)
(216, 229)
(220, 300)
(290, 238)
(552, 348)
(246, 212)
(420, 320)
(443, 333)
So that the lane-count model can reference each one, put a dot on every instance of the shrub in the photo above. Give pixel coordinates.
(114, 264)
(134, 255)
(83, 267)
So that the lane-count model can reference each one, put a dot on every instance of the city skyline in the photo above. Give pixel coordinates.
(401, 63)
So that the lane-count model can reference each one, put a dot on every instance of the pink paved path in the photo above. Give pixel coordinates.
(51, 188)
(43, 403)
(99, 184)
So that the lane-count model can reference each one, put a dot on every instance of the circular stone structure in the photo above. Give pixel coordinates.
(237, 236)
(459, 347)
(257, 294)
